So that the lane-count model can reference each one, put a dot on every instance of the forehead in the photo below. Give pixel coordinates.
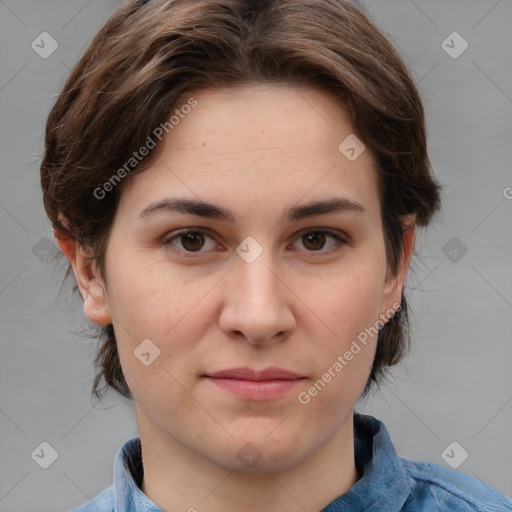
(261, 144)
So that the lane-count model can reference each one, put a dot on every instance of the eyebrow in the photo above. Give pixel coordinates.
(293, 214)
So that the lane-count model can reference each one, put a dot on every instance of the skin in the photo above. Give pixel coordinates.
(255, 150)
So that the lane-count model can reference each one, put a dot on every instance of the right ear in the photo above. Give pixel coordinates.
(92, 290)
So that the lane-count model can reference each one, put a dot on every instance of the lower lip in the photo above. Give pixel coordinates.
(256, 389)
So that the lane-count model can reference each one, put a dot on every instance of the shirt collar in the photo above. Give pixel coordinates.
(128, 472)
(384, 483)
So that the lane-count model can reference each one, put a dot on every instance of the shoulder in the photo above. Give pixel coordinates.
(103, 501)
(447, 489)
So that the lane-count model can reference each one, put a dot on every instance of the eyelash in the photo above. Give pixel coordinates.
(190, 254)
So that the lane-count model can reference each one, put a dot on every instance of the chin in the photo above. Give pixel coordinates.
(252, 454)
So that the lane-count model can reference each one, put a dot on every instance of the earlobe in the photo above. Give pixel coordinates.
(92, 290)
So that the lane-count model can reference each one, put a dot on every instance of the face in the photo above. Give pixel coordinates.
(270, 284)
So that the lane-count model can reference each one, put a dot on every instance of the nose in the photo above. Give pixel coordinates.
(258, 304)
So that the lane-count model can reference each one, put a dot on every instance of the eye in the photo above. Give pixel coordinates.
(192, 240)
(315, 240)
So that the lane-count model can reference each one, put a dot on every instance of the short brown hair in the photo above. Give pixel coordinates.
(151, 54)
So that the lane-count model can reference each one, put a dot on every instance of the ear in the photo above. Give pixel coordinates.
(393, 286)
(89, 282)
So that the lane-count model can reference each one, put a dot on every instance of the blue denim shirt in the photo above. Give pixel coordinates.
(388, 483)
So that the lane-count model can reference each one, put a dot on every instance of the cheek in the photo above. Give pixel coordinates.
(350, 309)
(165, 306)
(151, 299)
(351, 301)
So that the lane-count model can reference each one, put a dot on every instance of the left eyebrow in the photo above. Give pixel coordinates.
(209, 210)
(337, 204)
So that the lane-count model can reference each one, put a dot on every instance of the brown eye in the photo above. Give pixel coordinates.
(192, 241)
(195, 242)
(315, 241)
(188, 242)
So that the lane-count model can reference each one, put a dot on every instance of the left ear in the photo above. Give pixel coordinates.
(88, 279)
(393, 286)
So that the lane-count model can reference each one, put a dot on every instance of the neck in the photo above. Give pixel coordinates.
(177, 479)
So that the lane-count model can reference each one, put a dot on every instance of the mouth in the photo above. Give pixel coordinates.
(257, 385)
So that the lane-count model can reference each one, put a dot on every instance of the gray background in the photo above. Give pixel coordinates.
(456, 384)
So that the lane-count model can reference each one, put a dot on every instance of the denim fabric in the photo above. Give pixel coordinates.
(388, 483)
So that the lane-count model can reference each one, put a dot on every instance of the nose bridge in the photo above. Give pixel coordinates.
(257, 275)
(256, 305)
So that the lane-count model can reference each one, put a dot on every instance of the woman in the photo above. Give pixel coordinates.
(237, 185)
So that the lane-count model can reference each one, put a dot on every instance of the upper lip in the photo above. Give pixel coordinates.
(244, 373)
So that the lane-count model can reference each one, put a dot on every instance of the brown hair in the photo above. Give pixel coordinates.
(151, 54)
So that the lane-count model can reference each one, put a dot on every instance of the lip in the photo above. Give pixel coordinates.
(252, 384)
(244, 373)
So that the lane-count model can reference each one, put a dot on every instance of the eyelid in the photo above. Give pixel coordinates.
(341, 238)
(173, 235)
(330, 231)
